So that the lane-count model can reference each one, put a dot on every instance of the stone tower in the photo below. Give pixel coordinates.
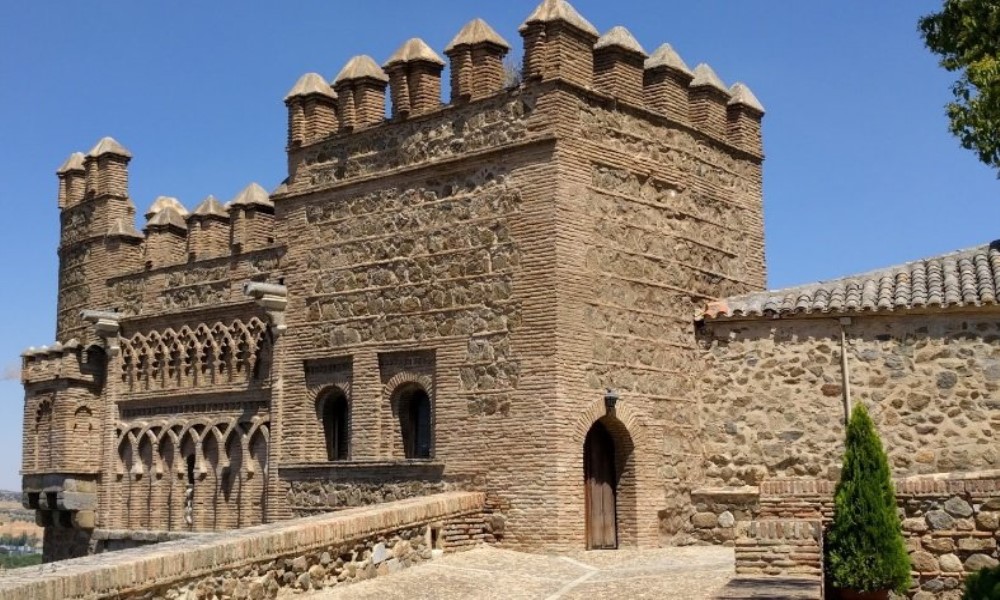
(97, 234)
(492, 294)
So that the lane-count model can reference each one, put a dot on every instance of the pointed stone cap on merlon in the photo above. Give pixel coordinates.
(665, 57)
(704, 76)
(123, 228)
(361, 67)
(210, 207)
(252, 195)
(414, 50)
(477, 32)
(167, 217)
(162, 202)
(73, 163)
(741, 95)
(558, 10)
(309, 84)
(619, 37)
(108, 145)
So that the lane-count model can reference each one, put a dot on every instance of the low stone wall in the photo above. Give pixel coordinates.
(780, 547)
(719, 510)
(326, 487)
(951, 525)
(256, 562)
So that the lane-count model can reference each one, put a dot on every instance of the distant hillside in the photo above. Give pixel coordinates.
(9, 496)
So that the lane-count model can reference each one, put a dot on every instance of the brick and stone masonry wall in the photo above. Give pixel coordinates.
(780, 547)
(951, 523)
(308, 553)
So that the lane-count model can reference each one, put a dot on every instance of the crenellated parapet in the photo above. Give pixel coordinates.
(312, 110)
(561, 49)
(98, 238)
(166, 233)
(618, 65)
(415, 79)
(360, 88)
(476, 56)
(208, 230)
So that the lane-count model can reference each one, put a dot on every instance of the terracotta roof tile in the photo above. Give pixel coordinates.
(964, 278)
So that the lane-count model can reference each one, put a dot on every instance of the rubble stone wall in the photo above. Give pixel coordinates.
(303, 554)
(772, 398)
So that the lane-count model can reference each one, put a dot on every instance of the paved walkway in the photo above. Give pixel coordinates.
(689, 573)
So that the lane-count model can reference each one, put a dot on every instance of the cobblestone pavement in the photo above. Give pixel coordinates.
(691, 573)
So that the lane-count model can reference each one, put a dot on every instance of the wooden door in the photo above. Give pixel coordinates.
(599, 489)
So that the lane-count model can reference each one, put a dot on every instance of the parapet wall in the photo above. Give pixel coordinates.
(559, 45)
(302, 554)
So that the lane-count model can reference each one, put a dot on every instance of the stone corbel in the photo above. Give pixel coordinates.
(106, 326)
(273, 298)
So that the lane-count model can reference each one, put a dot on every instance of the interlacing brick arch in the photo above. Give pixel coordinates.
(229, 459)
(208, 354)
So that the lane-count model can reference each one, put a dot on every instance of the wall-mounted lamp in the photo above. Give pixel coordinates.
(610, 399)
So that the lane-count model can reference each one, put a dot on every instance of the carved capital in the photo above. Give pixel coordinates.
(106, 326)
(273, 298)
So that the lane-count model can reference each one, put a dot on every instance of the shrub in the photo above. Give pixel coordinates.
(983, 585)
(865, 550)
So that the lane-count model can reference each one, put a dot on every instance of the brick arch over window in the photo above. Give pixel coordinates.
(411, 404)
(333, 412)
(635, 465)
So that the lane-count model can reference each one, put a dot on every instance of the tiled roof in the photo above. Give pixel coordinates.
(967, 277)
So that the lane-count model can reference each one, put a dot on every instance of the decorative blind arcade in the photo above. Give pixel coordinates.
(205, 355)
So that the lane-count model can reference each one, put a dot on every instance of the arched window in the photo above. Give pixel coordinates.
(414, 409)
(334, 413)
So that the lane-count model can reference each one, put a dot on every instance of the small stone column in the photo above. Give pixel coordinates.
(709, 98)
(414, 79)
(744, 115)
(360, 88)
(665, 84)
(312, 110)
(476, 56)
(618, 65)
(558, 44)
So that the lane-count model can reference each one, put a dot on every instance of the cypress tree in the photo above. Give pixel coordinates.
(983, 585)
(865, 550)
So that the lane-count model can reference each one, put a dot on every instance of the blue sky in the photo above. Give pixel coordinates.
(860, 172)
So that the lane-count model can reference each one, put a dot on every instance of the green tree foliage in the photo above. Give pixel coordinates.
(966, 34)
(16, 561)
(984, 585)
(865, 550)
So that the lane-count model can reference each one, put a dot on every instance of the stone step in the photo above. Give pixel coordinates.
(772, 588)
